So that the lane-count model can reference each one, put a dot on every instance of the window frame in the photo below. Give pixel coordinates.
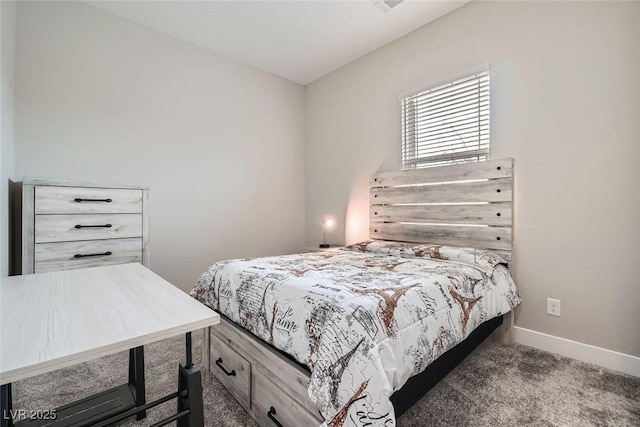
(420, 151)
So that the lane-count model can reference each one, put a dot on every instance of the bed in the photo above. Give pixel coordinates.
(355, 336)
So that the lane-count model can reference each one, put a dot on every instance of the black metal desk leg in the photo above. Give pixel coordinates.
(136, 378)
(6, 405)
(190, 391)
(189, 352)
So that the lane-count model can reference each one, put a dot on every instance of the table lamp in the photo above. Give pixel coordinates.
(326, 224)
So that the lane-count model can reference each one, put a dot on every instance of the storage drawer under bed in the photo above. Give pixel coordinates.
(272, 397)
(231, 369)
(272, 406)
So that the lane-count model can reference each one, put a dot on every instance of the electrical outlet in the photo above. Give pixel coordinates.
(553, 307)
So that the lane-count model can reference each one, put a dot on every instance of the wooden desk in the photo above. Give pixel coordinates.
(53, 320)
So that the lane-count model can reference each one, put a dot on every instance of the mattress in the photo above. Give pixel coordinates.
(364, 318)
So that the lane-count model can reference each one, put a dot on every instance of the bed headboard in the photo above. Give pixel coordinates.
(469, 204)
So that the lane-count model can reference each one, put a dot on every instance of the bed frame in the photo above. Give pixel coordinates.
(468, 204)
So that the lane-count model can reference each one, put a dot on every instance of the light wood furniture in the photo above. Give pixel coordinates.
(469, 204)
(59, 319)
(71, 224)
(270, 385)
(266, 383)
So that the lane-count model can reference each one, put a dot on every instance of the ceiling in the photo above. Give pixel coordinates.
(298, 40)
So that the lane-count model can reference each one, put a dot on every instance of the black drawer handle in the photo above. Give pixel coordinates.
(86, 255)
(270, 414)
(79, 200)
(229, 374)
(94, 226)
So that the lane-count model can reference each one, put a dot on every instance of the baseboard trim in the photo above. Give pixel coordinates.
(614, 360)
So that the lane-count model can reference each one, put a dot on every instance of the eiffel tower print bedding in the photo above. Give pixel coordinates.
(364, 318)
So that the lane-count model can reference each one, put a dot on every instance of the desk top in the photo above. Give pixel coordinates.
(53, 320)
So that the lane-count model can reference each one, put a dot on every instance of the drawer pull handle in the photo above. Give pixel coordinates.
(229, 374)
(270, 414)
(79, 200)
(86, 255)
(94, 226)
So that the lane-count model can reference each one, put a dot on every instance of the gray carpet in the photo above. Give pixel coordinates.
(495, 386)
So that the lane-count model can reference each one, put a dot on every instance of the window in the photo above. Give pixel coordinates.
(447, 124)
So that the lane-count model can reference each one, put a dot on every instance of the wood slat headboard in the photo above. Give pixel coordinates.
(468, 204)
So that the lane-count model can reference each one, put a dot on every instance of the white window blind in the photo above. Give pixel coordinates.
(447, 124)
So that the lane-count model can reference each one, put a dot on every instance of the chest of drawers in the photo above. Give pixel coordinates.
(68, 225)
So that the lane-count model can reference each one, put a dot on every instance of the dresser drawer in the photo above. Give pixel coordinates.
(89, 253)
(272, 405)
(67, 228)
(75, 200)
(233, 370)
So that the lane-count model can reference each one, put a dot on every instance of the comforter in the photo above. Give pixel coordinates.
(364, 318)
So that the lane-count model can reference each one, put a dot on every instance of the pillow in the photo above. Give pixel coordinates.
(482, 259)
(403, 249)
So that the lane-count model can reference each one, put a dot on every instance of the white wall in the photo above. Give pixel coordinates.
(565, 105)
(220, 143)
(7, 146)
